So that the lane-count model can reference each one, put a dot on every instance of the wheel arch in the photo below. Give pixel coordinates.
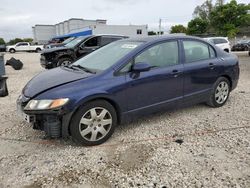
(12, 49)
(65, 56)
(229, 79)
(66, 125)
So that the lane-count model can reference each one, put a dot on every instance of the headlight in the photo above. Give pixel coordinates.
(45, 104)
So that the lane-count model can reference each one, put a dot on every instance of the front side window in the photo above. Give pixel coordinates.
(160, 55)
(22, 44)
(92, 42)
(195, 51)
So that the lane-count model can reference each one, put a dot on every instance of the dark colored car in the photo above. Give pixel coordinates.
(58, 44)
(243, 45)
(125, 80)
(75, 49)
(2, 48)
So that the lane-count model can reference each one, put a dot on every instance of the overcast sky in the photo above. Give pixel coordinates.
(18, 16)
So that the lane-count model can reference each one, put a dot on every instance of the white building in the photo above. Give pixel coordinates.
(77, 27)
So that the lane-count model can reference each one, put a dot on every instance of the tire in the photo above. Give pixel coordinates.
(38, 50)
(85, 126)
(220, 93)
(3, 88)
(12, 50)
(64, 61)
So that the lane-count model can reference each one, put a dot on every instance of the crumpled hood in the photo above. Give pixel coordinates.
(50, 79)
(57, 49)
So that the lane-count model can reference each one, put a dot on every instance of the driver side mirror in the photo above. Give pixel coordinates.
(141, 67)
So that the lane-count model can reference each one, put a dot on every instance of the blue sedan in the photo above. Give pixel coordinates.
(125, 80)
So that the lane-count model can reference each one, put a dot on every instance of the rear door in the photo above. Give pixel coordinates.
(201, 69)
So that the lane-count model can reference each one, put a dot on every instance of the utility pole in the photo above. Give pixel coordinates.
(159, 27)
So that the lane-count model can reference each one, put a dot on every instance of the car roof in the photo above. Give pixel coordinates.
(162, 37)
(216, 38)
(110, 35)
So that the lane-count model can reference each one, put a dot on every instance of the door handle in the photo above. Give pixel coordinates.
(211, 65)
(175, 73)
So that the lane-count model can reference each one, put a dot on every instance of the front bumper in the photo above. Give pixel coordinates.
(46, 64)
(55, 123)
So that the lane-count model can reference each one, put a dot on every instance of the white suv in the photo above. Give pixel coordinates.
(221, 42)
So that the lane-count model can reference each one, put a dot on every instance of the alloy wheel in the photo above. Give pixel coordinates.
(66, 62)
(221, 92)
(95, 124)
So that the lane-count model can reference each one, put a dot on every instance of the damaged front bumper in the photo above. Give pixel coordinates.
(54, 122)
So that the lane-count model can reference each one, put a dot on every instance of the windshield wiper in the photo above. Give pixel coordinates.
(83, 68)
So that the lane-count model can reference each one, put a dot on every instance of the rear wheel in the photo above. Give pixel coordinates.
(64, 61)
(38, 50)
(93, 123)
(220, 93)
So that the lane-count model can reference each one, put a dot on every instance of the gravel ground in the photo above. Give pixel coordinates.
(196, 146)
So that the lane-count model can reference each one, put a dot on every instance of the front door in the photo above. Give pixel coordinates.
(88, 46)
(162, 84)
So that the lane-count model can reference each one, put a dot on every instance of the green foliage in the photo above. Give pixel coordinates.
(203, 11)
(227, 18)
(197, 26)
(2, 41)
(152, 33)
(224, 19)
(16, 40)
(30, 40)
(178, 29)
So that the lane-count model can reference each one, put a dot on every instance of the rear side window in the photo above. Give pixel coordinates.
(219, 41)
(196, 51)
(107, 40)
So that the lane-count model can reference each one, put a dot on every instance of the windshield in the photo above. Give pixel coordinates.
(76, 41)
(107, 56)
(68, 40)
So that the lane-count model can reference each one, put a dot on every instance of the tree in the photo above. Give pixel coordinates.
(178, 29)
(203, 11)
(152, 33)
(228, 18)
(14, 41)
(220, 2)
(2, 41)
(30, 40)
(197, 26)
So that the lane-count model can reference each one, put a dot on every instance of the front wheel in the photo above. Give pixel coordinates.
(12, 50)
(64, 62)
(93, 123)
(220, 93)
